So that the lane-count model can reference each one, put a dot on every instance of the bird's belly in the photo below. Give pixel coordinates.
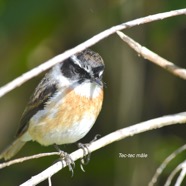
(63, 134)
(66, 121)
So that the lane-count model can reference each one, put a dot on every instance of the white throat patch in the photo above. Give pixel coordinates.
(88, 89)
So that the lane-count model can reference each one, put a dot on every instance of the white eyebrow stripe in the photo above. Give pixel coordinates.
(76, 60)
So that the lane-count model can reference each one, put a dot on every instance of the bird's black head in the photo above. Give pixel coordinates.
(84, 66)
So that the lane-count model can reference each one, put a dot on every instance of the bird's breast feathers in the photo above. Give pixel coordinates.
(68, 116)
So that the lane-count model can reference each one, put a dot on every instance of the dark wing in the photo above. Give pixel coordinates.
(44, 91)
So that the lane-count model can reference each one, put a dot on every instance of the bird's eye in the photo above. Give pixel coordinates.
(77, 69)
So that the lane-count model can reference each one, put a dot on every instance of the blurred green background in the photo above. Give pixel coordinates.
(34, 31)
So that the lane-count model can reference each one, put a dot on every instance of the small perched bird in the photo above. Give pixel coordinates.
(65, 104)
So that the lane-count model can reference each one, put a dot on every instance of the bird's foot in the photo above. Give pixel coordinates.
(64, 156)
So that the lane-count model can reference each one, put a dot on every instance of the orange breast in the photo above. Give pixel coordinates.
(61, 117)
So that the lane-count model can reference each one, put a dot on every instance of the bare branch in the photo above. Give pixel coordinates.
(48, 64)
(165, 163)
(153, 57)
(173, 173)
(20, 160)
(49, 181)
(182, 175)
(108, 139)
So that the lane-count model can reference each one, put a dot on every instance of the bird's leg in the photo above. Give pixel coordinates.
(66, 157)
(86, 152)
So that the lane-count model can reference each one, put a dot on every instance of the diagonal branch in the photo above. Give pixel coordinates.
(108, 139)
(153, 57)
(20, 160)
(95, 39)
(182, 174)
(165, 163)
(181, 166)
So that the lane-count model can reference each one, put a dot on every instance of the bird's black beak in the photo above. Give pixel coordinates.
(98, 81)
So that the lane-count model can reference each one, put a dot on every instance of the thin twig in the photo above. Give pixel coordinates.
(20, 160)
(182, 175)
(48, 64)
(153, 57)
(165, 163)
(49, 181)
(108, 139)
(173, 173)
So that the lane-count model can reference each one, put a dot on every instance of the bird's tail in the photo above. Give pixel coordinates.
(12, 150)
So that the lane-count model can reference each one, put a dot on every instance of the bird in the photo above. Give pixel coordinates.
(64, 105)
